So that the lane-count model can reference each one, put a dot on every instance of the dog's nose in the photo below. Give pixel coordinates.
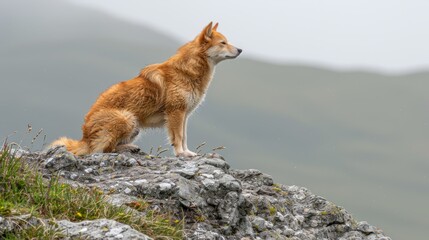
(239, 50)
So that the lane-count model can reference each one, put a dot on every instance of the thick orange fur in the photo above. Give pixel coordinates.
(163, 94)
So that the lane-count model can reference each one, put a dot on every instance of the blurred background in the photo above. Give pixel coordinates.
(330, 95)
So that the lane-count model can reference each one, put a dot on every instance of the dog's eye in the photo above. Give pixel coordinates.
(223, 42)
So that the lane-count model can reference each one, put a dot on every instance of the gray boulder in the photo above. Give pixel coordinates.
(99, 229)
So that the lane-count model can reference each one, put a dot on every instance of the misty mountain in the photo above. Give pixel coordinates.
(56, 58)
(324, 129)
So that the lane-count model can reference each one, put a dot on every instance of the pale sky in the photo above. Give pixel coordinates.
(384, 35)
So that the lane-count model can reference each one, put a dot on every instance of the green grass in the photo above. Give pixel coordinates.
(39, 232)
(24, 191)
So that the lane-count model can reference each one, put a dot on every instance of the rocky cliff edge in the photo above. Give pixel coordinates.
(213, 200)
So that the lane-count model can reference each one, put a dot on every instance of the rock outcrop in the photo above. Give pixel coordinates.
(217, 202)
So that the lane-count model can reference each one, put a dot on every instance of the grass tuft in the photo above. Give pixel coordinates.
(34, 232)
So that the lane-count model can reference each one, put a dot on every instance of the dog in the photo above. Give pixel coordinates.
(162, 95)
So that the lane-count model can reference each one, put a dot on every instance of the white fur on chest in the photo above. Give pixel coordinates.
(193, 100)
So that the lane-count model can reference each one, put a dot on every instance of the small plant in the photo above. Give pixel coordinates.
(138, 205)
(199, 216)
(272, 210)
(199, 147)
(218, 148)
(159, 151)
(40, 232)
(277, 189)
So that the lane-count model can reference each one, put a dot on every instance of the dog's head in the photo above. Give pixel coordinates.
(216, 45)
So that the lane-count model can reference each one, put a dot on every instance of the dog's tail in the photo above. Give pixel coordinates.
(74, 146)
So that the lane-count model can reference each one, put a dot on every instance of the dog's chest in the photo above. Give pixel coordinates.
(194, 92)
(193, 99)
(196, 96)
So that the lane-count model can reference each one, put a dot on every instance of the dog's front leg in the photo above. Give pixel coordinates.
(175, 124)
(184, 142)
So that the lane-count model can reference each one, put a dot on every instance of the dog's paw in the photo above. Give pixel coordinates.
(135, 150)
(128, 148)
(186, 154)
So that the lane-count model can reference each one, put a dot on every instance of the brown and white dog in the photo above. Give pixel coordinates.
(163, 94)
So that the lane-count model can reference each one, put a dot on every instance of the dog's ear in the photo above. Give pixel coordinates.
(207, 33)
(215, 27)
